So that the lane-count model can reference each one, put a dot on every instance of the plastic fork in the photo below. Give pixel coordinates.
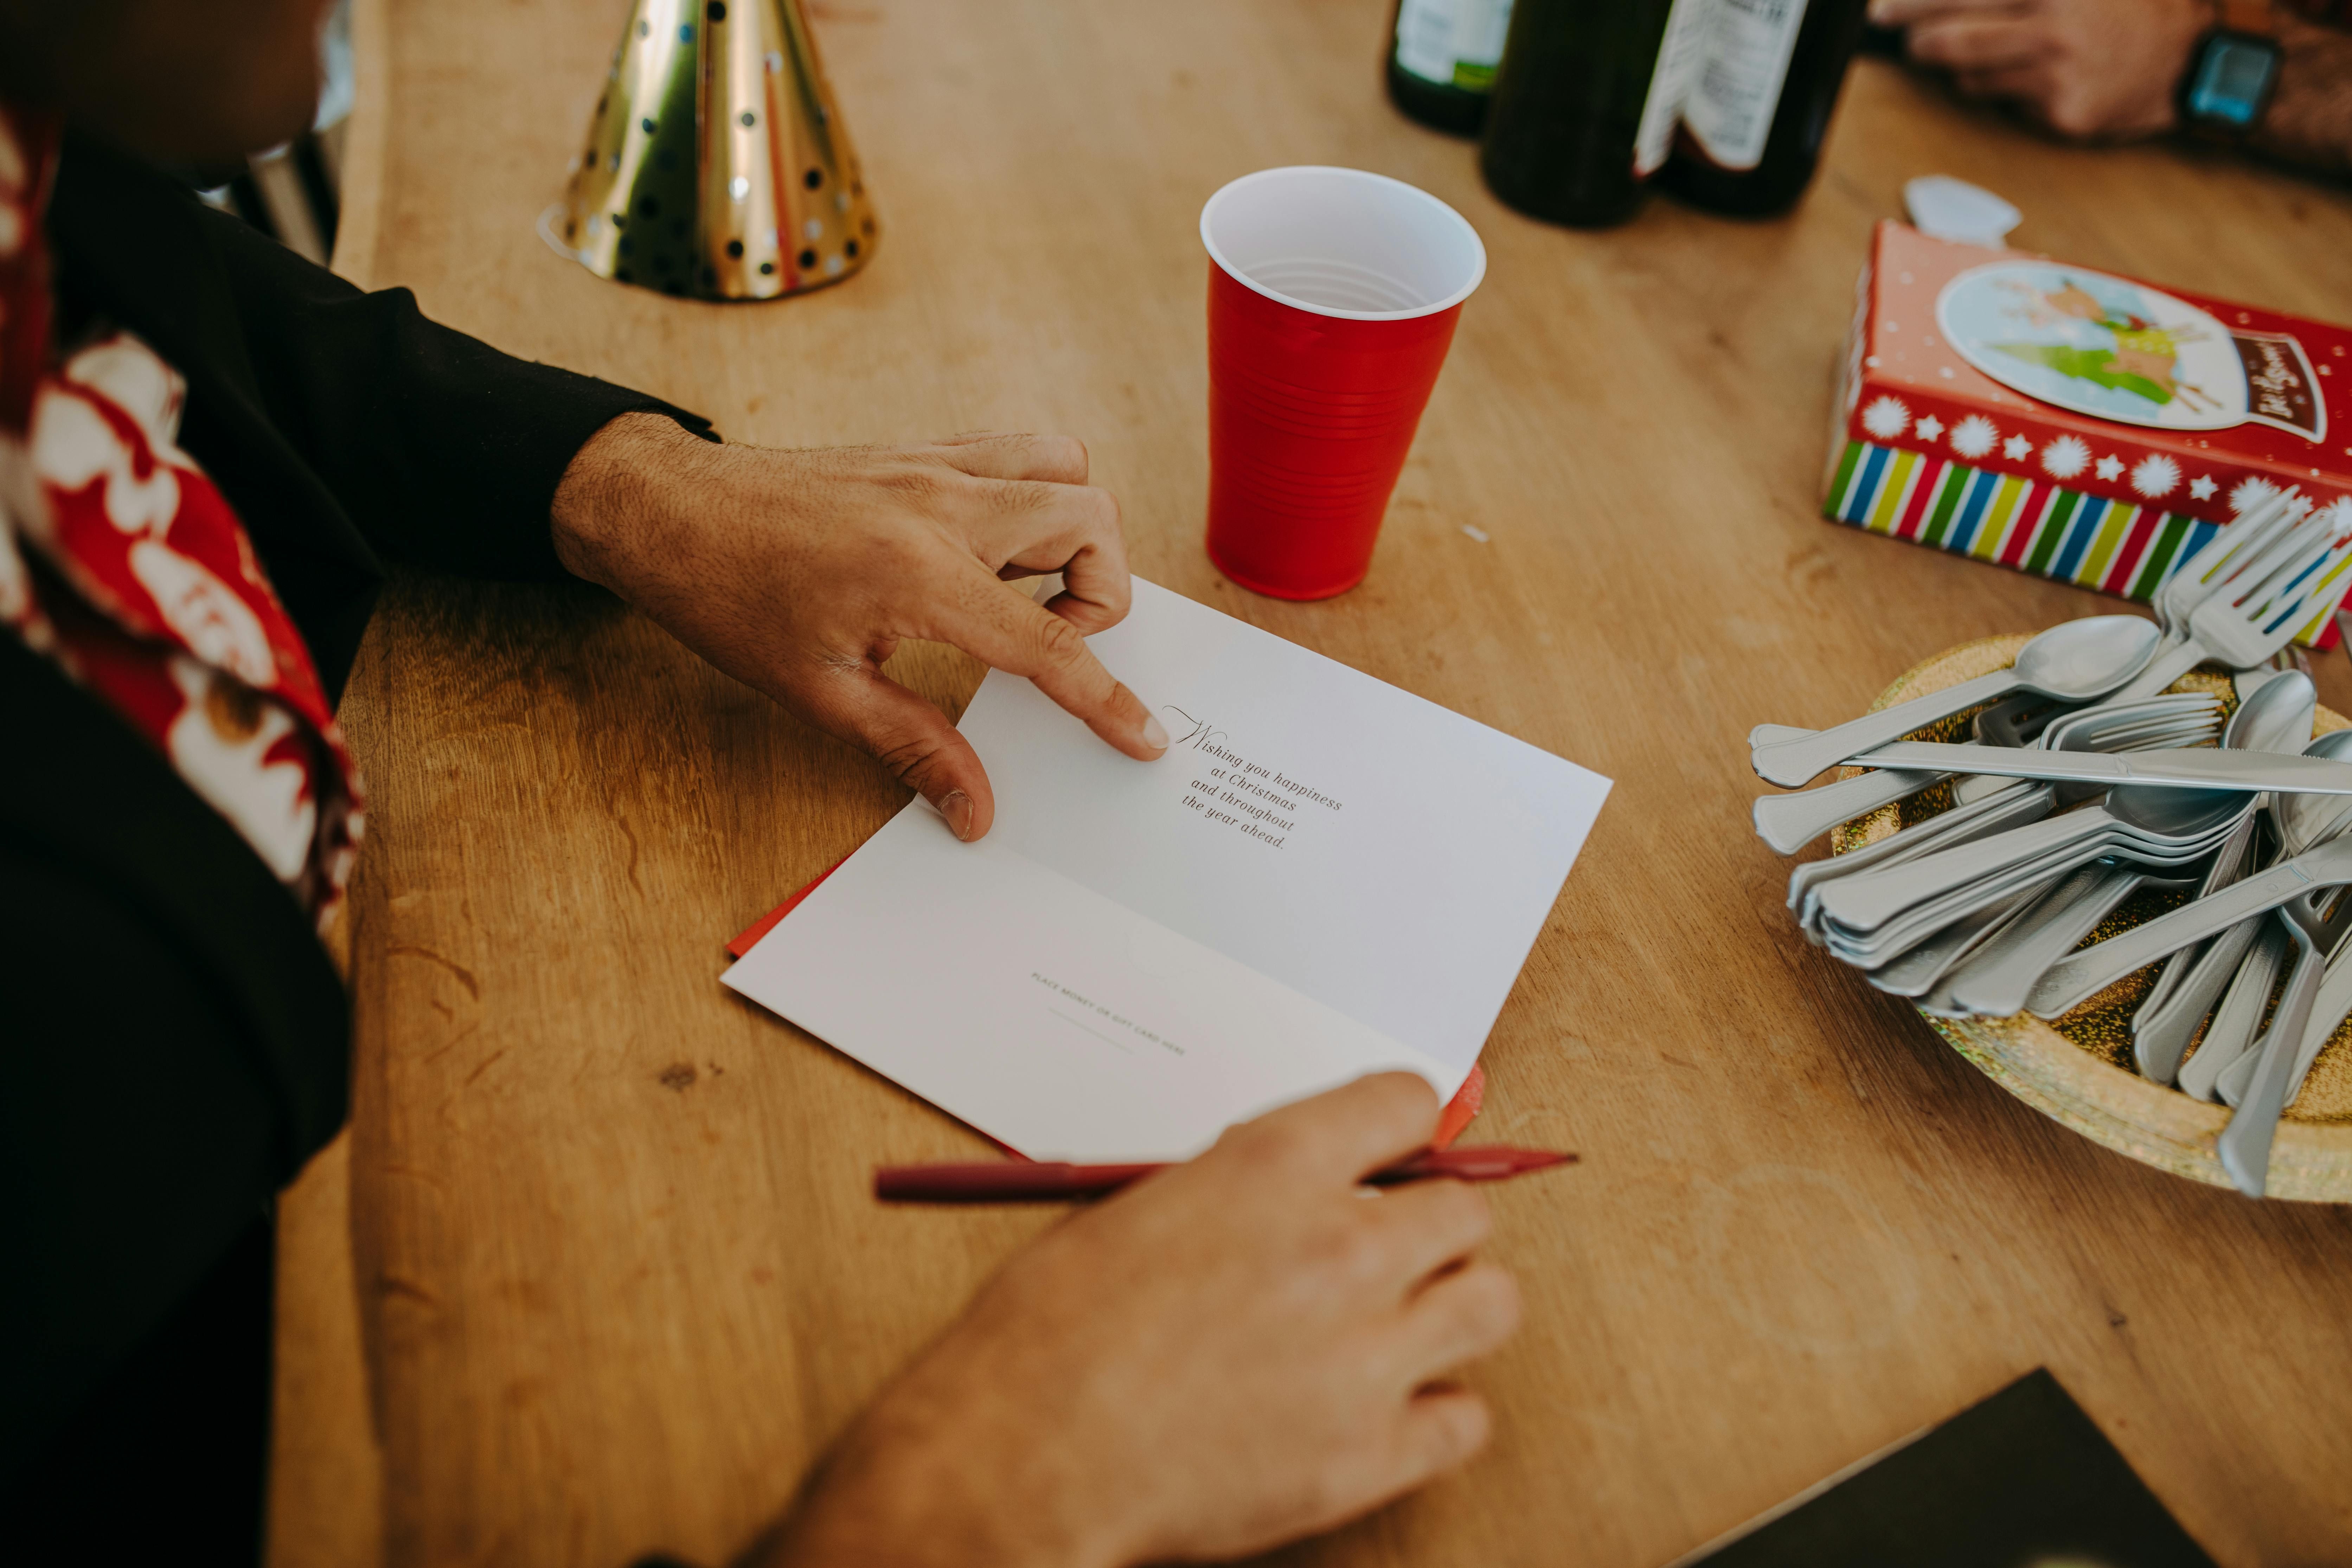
(2229, 552)
(2295, 579)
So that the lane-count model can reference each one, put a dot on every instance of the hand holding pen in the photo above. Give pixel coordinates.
(1235, 1353)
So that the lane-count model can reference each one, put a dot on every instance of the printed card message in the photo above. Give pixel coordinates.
(1227, 787)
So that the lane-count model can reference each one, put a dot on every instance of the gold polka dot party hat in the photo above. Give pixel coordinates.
(715, 166)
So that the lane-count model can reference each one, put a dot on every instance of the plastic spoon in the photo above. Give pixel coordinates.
(2075, 662)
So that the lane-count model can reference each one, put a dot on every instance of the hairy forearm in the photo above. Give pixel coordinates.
(2309, 120)
(905, 1499)
(614, 502)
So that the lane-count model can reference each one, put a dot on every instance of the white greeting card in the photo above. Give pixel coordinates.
(1324, 877)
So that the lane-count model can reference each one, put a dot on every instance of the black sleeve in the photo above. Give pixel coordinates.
(444, 451)
(173, 1046)
(137, 1142)
(441, 451)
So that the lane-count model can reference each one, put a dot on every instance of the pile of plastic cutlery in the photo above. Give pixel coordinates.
(2085, 781)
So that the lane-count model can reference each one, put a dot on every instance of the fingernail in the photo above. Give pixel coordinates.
(1155, 733)
(956, 808)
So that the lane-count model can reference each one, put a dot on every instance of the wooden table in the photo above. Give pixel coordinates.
(616, 1278)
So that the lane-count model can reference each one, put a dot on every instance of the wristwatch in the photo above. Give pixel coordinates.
(2231, 71)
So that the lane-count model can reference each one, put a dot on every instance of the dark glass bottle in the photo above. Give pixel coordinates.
(1752, 128)
(1582, 105)
(1442, 57)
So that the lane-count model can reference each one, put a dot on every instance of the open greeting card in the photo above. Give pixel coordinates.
(1324, 877)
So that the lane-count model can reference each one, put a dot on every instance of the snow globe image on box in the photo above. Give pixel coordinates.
(2096, 344)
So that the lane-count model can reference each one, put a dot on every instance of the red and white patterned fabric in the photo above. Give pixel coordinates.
(122, 563)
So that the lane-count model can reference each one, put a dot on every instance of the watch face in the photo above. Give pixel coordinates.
(2231, 75)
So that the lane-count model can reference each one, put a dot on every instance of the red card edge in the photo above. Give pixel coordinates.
(767, 922)
(1461, 1108)
(1456, 1115)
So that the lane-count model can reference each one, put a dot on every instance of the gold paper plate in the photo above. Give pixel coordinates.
(2077, 1070)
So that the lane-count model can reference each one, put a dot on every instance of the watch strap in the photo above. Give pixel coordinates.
(2254, 17)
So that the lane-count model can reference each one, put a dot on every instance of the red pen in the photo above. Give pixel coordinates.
(1012, 1182)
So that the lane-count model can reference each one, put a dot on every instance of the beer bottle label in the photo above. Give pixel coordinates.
(1733, 95)
(1681, 56)
(1453, 43)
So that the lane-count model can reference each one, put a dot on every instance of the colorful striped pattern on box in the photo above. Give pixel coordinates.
(2035, 525)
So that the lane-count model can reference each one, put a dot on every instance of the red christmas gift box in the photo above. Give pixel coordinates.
(2073, 424)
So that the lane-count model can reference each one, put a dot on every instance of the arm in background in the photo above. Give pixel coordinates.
(2108, 70)
(2309, 120)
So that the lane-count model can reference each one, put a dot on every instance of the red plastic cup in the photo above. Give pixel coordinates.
(1332, 299)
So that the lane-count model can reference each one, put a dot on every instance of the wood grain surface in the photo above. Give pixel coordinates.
(606, 1273)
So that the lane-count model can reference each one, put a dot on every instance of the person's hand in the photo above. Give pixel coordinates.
(2090, 70)
(1229, 1355)
(798, 573)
